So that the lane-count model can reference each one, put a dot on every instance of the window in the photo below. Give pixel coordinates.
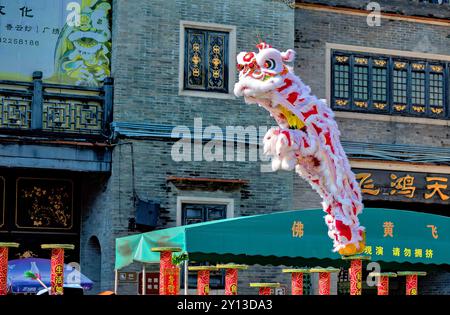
(197, 210)
(389, 85)
(196, 213)
(206, 60)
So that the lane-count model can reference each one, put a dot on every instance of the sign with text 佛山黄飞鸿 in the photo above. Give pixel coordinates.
(68, 40)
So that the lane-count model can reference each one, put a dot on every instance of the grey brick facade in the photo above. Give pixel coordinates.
(145, 66)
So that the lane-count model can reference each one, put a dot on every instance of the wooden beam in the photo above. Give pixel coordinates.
(364, 13)
(207, 180)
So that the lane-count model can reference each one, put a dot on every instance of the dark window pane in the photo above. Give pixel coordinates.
(206, 60)
(383, 84)
(196, 213)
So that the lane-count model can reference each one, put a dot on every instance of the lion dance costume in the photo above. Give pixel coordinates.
(306, 139)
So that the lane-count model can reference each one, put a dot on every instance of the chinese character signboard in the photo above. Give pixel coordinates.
(403, 186)
(68, 40)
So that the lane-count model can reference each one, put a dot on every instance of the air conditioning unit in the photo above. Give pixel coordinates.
(147, 213)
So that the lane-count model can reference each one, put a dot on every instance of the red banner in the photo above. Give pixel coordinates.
(171, 278)
(57, 272)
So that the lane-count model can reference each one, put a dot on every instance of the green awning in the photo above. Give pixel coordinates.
(294, 238)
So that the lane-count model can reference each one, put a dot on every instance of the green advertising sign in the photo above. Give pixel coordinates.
(68, 40)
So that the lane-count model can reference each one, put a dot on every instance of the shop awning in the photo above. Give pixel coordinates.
(296, 238)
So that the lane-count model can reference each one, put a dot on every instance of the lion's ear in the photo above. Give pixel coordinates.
(288, 55)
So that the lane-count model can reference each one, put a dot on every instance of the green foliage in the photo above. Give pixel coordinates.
(178, 259)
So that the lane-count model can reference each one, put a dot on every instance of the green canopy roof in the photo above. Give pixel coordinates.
(295, 238)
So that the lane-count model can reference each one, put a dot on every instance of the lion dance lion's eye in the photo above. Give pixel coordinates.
(239, 67)
(270, 64)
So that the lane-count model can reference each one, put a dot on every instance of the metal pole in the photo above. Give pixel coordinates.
(143, 280)
(186, 276)
(116, 284)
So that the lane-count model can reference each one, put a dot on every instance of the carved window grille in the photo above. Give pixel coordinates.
(206, 60)
(389, 85)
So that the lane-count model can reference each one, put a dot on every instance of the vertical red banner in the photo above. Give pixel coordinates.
(355, 274)
(231, 282)
(324, 283)
(265, 291)
(203, 282)
(171, 277)
(297, 283)
(411, 285)
(3, 270)
(383, 285)
(57, 271)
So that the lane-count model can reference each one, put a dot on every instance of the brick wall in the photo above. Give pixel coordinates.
(145, 67)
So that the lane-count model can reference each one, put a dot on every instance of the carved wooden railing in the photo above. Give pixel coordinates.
(49, 109)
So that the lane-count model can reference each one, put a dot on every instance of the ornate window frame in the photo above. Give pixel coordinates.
(330, 47)
(231, 29)
(229, 202)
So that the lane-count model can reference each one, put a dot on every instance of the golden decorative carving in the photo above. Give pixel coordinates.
(437, 110)
(342, 102)
(419, 109)
(399, 65)
(436, 68)
(399, 108)
(380, 63)
(418, 66)
(379, 105)
(361, 61)
(361, 104)
(341, 59)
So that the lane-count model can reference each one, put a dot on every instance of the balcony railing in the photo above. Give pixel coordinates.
(39, 108)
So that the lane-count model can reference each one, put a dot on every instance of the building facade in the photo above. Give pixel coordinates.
(165, 142)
